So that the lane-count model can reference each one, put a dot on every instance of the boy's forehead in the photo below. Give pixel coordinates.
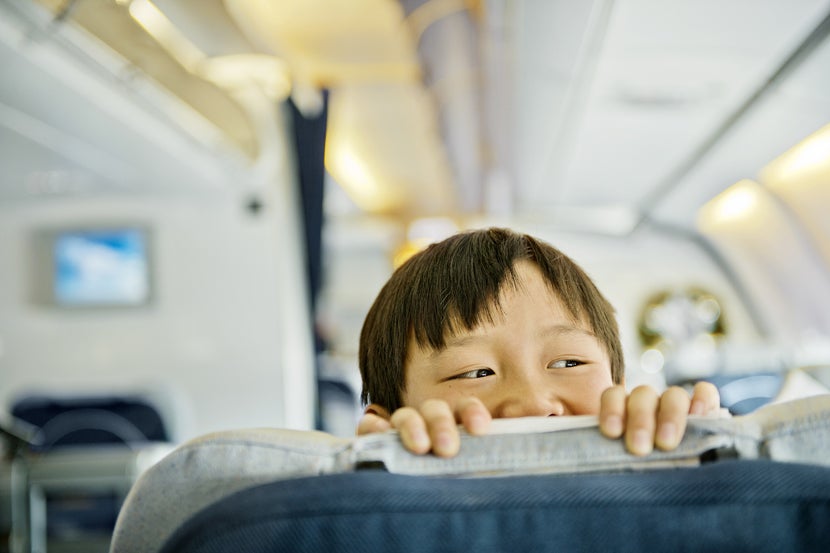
(530, 282)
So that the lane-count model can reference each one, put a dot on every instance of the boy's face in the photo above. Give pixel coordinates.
(532, 361)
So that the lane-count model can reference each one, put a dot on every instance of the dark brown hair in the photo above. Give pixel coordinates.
(455, 285)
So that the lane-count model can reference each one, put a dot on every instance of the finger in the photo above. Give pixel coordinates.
(441, 426)
(474, 416)
(705, 399)
(671, 418)
(412, 428)
(641, 411)
(372, 424)
(612, 412)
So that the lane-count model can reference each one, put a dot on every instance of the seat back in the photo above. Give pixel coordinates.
(80, 420)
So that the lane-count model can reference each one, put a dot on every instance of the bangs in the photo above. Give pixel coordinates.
(458, 297)
(464, 308)
(461, 310)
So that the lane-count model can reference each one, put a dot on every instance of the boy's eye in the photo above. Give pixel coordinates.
(476, 373)
(564, 364)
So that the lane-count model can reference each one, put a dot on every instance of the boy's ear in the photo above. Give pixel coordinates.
(375, 409)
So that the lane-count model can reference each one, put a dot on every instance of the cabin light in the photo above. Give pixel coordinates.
(734, 203)
(351, 172)
(806, 158)
(146, 14)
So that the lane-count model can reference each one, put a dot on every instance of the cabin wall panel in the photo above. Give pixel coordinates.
(207, 345)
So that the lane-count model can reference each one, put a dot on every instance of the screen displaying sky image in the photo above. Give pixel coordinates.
(102, 267)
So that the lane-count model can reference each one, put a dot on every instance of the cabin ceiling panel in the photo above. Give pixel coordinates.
(411, 172)
(553, 107)
(112, 24)
(791, 112)
(65, 130)
(328, 42)
(665, 77)
(208, 25)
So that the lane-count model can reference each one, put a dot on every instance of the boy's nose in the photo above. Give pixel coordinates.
(529, 402)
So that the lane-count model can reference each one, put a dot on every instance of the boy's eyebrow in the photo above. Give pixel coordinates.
(558, 330)
(553, 330)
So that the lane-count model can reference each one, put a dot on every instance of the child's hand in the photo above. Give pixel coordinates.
(432, 426)
(644, 417)
(647, 419)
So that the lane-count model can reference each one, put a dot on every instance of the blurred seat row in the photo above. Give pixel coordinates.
(67, 464)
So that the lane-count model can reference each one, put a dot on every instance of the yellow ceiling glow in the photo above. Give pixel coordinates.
(353, 169)
(354, 175)
(407, 250)
(805, 161)
(735, 203)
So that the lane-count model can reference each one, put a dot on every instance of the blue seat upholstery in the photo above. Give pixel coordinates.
(728, 505)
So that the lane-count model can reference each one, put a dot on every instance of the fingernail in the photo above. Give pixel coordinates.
(613, 425)
(667, 434)
(443, 441)
(698, 408)
(642, 442)
(420, 438)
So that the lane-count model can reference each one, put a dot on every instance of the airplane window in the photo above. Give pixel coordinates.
(680, 330)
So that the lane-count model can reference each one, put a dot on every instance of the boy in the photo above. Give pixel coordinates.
(492, 323)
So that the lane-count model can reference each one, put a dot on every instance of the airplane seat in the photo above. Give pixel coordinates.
(758, 505)
(86, 420)
(759, 482)
(80, 461)
(744, 393)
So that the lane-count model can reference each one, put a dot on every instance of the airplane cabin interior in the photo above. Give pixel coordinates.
(201, 199)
